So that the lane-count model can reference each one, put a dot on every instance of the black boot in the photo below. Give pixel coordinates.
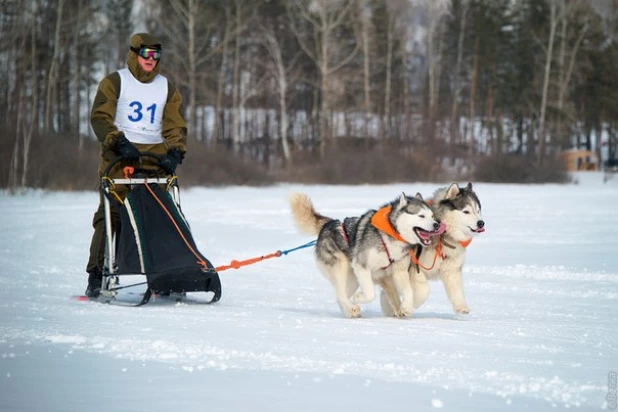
(94, 285)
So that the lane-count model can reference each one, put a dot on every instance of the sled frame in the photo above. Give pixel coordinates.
(109, 269)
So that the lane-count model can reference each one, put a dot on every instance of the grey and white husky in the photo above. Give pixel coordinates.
(361, 250)
(460, 209)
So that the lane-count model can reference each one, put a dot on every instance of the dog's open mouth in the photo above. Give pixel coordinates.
(425, 235)
(478, 230)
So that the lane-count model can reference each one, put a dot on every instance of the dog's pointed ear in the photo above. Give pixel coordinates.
(402, 199)
(469, 187)
(452, 191)
(419, 196)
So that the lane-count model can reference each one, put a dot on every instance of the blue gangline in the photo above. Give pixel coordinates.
(308, 244)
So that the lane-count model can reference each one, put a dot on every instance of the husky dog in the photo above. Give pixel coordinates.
(362, 249)
(460, 209)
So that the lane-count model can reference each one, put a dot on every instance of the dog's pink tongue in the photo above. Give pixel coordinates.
(439, 230)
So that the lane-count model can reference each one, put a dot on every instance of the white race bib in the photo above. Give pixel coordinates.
(139, 113)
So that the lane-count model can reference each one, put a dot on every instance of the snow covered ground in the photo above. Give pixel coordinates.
(542, 284)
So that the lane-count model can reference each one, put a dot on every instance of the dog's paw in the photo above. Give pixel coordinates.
(405, 310)
(403, 313)
(461, 309)
(349, 309)
(353, 312)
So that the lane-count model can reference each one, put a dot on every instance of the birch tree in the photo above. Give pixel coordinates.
(280, 71)
(457, 84)
(219, 112)
(33, 122)
(236, 86)
(21, 23)
(395, 20)
(187, 12)
(365, 15)
(555, 15)
(323, 17)
(52, 76)
(435, 9)
(576, 19)
(194, 31)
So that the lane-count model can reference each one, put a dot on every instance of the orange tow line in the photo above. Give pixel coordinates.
(237, 264)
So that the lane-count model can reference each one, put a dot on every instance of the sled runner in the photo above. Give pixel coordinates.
(153, 242)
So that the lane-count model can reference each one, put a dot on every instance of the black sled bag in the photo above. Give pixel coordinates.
(155, 240)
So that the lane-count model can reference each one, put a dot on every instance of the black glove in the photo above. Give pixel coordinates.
(125, 148)
(171, 160)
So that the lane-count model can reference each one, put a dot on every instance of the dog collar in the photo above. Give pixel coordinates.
(380, 221)
(463, 243)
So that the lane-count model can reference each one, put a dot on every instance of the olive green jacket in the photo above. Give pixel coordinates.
(103, 113)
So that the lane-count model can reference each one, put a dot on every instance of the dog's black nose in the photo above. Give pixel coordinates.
(480, 224)
(436, 226)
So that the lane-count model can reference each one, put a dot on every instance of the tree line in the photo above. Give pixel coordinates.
(296, 86)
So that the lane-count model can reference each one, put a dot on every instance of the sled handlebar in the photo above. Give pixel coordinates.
(119, 159)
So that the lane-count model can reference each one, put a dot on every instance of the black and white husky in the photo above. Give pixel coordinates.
(361, 250)
(460, 209)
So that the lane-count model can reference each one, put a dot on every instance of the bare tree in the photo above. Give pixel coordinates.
(472, 98)
(227, 34)
(194, 30)
(188, 11)
(251, 84)
(392, 23)
(280, 71)
(323, 17)
(556, 14)
(435, 10)
(567, 54)
(35, 97)
(17, 103)
(78, 25)
(52, 76)
(457, 85)
(406, 51)
(236, 132)
(365, 15)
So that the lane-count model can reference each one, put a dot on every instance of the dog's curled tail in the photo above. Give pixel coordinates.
(307, 219)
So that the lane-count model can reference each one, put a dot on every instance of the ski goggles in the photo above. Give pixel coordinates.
(148, 52)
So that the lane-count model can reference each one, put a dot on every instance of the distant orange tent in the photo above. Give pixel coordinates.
(580, 160)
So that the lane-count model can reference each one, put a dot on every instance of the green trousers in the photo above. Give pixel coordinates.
(97, 244)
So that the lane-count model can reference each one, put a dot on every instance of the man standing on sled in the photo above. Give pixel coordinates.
(135, 110)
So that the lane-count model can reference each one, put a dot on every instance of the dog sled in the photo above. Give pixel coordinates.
(151, 253)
